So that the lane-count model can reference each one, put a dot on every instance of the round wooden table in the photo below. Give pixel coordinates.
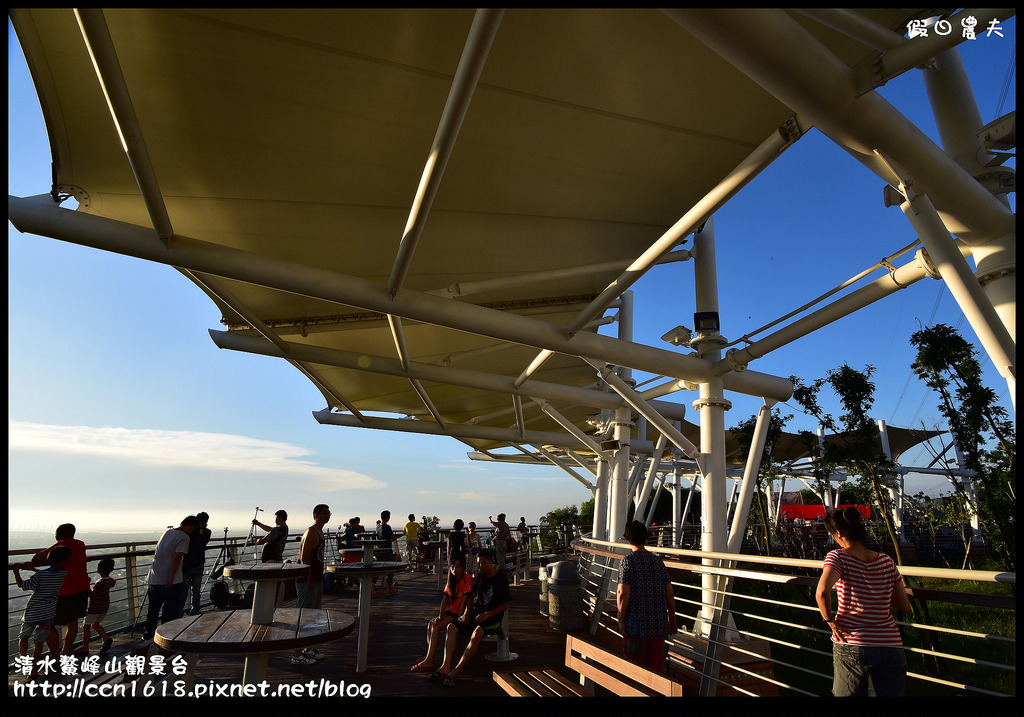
(231, 633)
(366, 574)
(266, 576)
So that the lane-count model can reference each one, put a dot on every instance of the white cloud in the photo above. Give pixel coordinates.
(463, 465)
(183, 449)
(478, 497)
(545, 479)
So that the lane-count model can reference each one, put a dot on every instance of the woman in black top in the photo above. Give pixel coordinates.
(458, 543)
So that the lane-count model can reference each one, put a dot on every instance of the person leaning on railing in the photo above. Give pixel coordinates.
(865, 639)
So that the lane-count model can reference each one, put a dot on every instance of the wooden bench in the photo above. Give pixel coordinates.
(612, 672)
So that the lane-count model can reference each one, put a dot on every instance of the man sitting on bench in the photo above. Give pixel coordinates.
(492, 594)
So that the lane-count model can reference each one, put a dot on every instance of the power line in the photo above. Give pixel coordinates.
(1007, 81)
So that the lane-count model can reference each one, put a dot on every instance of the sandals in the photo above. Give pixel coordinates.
(436, 675)
(420, 667)
(449, 681)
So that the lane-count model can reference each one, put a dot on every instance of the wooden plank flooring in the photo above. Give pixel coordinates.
(398, 640)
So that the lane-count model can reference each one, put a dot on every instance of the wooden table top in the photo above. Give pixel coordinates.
(230, 632)
(267, 571)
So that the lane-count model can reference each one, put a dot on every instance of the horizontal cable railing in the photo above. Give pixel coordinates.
(131, 571)
(132, 562)
(754, 629)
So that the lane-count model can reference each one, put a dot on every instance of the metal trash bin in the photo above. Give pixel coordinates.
(565, 597)
(546, 562)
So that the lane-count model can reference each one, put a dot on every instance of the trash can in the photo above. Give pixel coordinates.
(546, 562)
(565, 597)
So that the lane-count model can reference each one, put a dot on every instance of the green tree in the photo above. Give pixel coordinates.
(569, 515)
(809, 497)
(855, 445)
(981, 428)
(587, 515)
(851, 493)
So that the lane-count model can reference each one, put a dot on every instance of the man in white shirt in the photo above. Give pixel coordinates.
(165, 578)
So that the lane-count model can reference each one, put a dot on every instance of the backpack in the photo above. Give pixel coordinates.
(219, 595)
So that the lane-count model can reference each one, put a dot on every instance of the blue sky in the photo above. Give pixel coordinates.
(124, 415)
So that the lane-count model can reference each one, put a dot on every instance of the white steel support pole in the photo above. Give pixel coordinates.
(778, 505)
(619, 497)
(896, 496)
(774, 50)
(561, 464)
(478, 45)
(739, 521)
(766, 153)
(971, 490)
(959, 122)
(711, 406)
(679, 510)
(652, 473)
(622, 388)
(784, 58)
(978, 308)
(601, 501)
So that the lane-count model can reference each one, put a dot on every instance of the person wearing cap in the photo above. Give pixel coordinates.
(646, 603)
(274, 541)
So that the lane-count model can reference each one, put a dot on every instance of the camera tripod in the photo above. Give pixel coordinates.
(252, 538)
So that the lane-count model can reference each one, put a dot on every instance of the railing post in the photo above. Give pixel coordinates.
(131, 570)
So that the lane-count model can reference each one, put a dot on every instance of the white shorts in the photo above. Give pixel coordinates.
(94, 619)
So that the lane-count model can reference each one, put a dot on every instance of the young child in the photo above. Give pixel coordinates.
(42, 606)
(99, 603)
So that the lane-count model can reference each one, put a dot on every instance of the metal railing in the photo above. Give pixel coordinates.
(758, 631)
(132, 561)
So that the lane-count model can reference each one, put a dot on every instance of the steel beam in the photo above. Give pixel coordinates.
(453, 430)
(774, 51)
(45, 218)
(478, 45)
(738, 178)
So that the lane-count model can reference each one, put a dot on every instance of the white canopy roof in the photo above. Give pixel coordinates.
(301, 137)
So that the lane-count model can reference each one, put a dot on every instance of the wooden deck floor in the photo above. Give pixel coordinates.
(398, 640)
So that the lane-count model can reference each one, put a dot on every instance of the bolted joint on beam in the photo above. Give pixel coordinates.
(712, 403)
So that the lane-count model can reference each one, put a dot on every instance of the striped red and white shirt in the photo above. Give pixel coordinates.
(865, 592)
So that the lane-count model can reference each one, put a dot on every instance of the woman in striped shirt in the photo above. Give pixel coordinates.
(865, 640)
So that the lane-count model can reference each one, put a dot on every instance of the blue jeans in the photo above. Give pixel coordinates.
(854, 664)
(160, 596)
(192, 578)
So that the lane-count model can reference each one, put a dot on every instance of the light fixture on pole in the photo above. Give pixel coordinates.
(706, 321)
(679, 336)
